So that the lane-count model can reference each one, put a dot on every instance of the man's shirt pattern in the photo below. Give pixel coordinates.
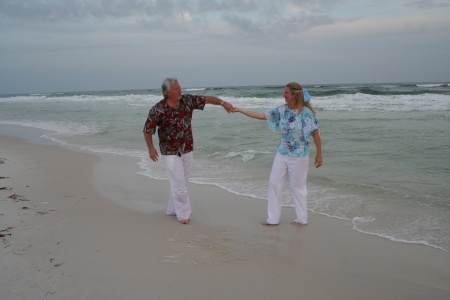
(174, 125)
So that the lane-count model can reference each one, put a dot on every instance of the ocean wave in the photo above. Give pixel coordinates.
(245, 155)
(356, 102)
(54, 98)
(392, 236)
(271, 94)
(428, 85)
(399, 103)
(195, 89)
(343, 102)
(115, 151)
(60, 128)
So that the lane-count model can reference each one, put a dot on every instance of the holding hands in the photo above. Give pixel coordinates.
(228, 106)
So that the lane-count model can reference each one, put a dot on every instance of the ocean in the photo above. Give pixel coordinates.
(386, 147)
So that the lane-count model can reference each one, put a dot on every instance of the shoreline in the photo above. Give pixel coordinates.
(73, 241)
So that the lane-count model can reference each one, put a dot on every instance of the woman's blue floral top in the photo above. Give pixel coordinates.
(295, 130)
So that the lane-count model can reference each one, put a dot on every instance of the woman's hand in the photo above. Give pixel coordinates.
(318, 161)
(316, 136)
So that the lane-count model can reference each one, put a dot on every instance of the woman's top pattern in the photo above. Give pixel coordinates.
(295, 130)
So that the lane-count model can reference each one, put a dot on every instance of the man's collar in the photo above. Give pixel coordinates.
(166, 102)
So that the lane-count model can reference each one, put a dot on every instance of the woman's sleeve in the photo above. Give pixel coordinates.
(309, 123)
(273, 118)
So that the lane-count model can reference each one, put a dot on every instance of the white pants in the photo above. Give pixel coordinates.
(297, 169)
(178, 169)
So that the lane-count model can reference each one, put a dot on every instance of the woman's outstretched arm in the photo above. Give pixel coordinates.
(251, 114)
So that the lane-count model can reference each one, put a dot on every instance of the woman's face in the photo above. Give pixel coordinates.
(289, 97)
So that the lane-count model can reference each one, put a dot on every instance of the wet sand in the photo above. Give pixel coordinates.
(70, 229)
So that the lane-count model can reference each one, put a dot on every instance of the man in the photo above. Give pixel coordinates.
(172, 116)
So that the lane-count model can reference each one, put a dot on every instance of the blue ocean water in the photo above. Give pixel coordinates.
(386, 147)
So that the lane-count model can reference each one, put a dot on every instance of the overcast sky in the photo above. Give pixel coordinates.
(88, 45)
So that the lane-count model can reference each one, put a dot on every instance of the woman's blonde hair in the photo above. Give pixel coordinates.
(297, 90)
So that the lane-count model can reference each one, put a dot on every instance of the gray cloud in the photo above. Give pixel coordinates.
(247, 17)
(429, 3)
(54, 11)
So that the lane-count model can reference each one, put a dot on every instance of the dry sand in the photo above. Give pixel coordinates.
(64, 236)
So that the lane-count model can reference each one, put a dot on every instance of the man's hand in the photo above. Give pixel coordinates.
(151, 149)
(228, 107)
(153, 154)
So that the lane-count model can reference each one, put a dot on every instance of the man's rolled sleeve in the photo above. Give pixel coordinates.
(151, 123)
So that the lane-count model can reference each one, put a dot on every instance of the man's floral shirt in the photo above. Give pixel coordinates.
(174, 125)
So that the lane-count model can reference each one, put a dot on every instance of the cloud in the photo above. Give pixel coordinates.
(429, 3)
(251, 18)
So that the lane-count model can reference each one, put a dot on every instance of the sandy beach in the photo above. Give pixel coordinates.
(63, 236)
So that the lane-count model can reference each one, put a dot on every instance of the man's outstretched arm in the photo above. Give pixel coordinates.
(217, 101)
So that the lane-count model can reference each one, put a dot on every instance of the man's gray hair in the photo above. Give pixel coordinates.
(167, 83)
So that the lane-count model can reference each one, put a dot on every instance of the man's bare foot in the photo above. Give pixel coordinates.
(297, 223)
(185, 221)
(268, 224)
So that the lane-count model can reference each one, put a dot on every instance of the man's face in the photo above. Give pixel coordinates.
(175, 92)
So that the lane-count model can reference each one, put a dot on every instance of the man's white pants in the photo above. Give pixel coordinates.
(178, 169)
(297, 169)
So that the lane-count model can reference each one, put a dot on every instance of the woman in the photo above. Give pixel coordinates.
(297, 122)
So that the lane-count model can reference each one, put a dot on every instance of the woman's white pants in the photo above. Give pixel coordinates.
(178, 169)
(297, 169)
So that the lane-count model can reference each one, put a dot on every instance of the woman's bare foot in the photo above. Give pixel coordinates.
(268, 224)
(185, 221)
(297, 223)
